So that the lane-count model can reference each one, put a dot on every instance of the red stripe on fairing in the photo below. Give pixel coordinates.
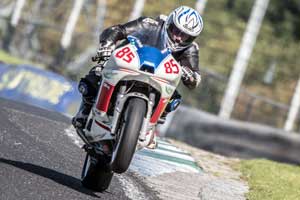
(102, 126)
(104, 96)
(159, 109)
(128, 70)
(161, 80)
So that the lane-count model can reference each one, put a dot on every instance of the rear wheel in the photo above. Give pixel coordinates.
(95, 174)
(130, 125)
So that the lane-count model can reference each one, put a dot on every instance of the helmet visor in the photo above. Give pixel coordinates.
(177, 36)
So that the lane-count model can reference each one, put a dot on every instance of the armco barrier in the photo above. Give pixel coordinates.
(39, 87)
(233, 138)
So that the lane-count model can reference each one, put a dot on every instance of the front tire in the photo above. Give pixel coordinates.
(130, 125)
(95, 174)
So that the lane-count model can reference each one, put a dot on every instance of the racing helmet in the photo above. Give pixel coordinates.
(182, 26)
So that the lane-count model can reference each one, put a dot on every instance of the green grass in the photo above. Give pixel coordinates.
(7, 58)
(271, 180)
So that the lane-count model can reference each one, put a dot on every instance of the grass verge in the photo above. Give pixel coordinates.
(7, 58)
(271, 180)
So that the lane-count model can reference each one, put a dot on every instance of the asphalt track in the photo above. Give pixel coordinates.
(39, 161)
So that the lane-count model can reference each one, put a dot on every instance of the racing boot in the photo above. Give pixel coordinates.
(80, 119)
(151, 137)
(162, 118)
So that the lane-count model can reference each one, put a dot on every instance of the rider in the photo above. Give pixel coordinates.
(176, 32)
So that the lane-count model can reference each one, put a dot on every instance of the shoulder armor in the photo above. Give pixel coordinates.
(163, 17)
(150, 21)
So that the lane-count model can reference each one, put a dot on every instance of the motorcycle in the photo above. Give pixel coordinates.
(137, 83)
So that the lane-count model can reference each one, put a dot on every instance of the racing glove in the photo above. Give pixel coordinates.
(104, 52)
(190, 78)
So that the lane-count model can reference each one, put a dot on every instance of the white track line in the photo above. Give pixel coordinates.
(171, 154)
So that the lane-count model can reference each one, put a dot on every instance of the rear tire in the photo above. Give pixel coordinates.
(130, 124)
(95, 175)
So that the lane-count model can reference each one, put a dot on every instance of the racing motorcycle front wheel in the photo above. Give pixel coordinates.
(95, 174)
(129, 129)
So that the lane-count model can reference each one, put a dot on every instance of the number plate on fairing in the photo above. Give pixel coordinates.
(127, 57)
(169, 69)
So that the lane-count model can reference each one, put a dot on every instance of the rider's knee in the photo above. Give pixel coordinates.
(87, 88)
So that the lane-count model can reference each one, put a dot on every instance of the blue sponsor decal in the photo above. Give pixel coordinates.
(150, 57)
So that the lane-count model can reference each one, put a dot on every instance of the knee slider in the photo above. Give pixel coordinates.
(83, 88)
(86, 89)
(173, 105)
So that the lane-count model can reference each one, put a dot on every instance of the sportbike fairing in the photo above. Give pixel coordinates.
(150, 63)
(139, 65)
(134, 62)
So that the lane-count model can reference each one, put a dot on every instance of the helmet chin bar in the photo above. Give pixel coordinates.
(172, 45)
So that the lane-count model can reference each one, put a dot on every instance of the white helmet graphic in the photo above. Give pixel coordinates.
(182, 26)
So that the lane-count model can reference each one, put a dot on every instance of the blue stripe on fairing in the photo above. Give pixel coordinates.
(150, 56)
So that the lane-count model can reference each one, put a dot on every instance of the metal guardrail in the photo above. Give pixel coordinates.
(233, 138)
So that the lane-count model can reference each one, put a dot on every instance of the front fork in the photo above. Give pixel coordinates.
(146, 124)
(121, 100)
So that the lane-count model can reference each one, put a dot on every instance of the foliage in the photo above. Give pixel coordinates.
(224, 24)
(284, 15)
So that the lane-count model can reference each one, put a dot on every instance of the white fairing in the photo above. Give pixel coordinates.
(124, 64)
(121, 62)
(116, 67)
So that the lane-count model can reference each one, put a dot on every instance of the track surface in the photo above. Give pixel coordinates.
(38, 161)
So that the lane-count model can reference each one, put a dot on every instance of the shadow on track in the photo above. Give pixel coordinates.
(58, 177)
